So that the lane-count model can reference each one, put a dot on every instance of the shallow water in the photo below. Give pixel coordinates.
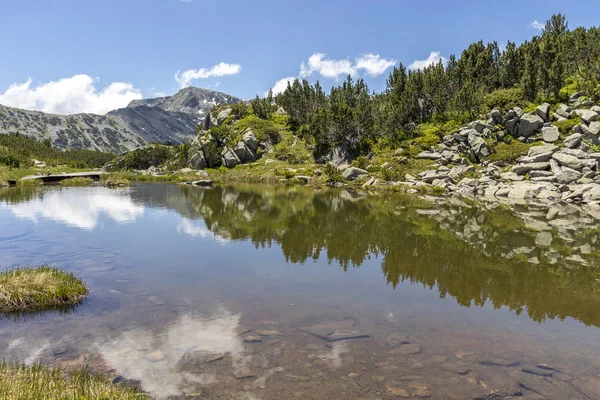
(243, 292)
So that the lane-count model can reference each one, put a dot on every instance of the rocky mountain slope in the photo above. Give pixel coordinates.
(167, 119)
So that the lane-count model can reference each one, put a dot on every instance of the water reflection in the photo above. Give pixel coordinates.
(78, 208)
(537, 260)
(164, 362)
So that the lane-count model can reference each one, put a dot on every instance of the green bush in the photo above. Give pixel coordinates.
(428, 140)
(509, 152)
(566, 127)
(264, 130)
(146, 157)
(332, 174)
(503, 99)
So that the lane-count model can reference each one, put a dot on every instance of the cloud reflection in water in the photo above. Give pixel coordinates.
(81, 210)
(154, 358)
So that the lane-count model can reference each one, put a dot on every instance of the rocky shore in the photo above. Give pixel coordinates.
(554, 169)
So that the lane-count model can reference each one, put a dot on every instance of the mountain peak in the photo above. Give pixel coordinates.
(189, 100)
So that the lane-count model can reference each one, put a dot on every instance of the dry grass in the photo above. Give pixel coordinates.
(38, 288)
(37, 382)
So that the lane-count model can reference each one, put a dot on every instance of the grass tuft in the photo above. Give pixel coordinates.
(51, 383)
(78, 181)
(37, 288)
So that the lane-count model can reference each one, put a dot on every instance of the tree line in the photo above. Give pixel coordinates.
(549, 67)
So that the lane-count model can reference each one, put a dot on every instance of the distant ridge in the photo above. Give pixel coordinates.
(165, 119)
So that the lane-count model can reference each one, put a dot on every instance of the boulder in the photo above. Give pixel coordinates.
(542, 111)
(530, 124)
(564, 111)
(477, 144)
(535, 151)
(250, 141)
(511, 176)
(229, 158)
(197, 160)
(587, 192)
(518, 111)
(223, 115)
(512, 126)
(428, 155)
(496, 116)
(340, 155)
(587, 115)
(573, 140)
(595, 109)
(591, 131)
(352, 173)
(567, 160)
(528, 190)
(550, 134)
(523, 169)
(244, 154)
(280, 111)
(567, 176)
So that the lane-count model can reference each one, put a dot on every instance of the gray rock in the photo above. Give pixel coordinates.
(566, 160)
(244, 154)
(588, 192)
(542, 111)
(528, 190)
(428, 155)
(223, 115)
(352, 173)
(567, 176)
(518, 111)
(530, 124)
(564, 111)
(550, 134)
(573, 140)
(537, 150)
(523, 169)
(340, 155)
(496, 116)
(541, 174)
(477, 144)
(591, 131)
(250, 141)
(587, 115)
(229, 158)
(280, 111)
(555, 167)
(595, 109)
(512, 126)
(511, 176)
(197, 159)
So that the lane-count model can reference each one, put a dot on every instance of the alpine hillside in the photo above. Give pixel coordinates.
(170, 119)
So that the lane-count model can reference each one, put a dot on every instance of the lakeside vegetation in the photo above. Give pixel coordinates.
(381, 132)
(26, 289)
(37, 382)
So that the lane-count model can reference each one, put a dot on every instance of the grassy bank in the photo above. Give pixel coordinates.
(49, 383)
(37, 288)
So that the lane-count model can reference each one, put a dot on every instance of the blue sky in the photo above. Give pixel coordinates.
(69, 56)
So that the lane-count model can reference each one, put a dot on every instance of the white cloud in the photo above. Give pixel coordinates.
(537, 25)
(434, 58)
(327, 68)
(373, 64)
(281, 85)
(222, 69)
(69, 96)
